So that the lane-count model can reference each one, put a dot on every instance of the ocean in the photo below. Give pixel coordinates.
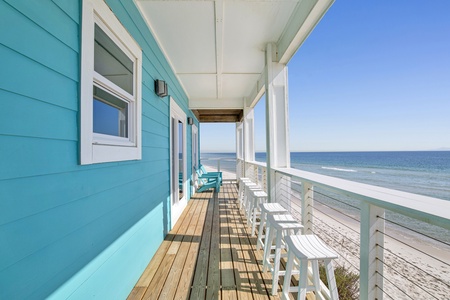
(419, 172)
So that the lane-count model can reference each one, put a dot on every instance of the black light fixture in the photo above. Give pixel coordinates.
(161, 88)
(190, 121)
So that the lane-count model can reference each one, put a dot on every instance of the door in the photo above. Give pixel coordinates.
(178, 176)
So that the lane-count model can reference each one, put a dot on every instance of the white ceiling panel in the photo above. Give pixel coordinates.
(234, 86)
(200, 86)
(249, 26)
(216, 47)
(185, 31)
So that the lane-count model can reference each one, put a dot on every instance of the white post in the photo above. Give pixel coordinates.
(239, 150)
(371, 255)
(249, 134)
(307, 207)
(277, 117)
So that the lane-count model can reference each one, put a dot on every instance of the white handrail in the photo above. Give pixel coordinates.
(430, 210)
(373, 201)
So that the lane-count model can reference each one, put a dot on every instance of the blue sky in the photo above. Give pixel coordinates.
(372, 76)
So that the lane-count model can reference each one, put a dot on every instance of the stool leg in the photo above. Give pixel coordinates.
(249, 209)
(276, 263)
(241, 194)
(303, 281)
(262, 221)
(331, 280)
(268, 247)
(255, 210)
(287, 276)
(316, 278)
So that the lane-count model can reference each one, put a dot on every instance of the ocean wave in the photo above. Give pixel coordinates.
(339, 169)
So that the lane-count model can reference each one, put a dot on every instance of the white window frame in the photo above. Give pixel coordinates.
(95, 147)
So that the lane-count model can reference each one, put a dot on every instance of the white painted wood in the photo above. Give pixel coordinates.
(371, 254)
(277, 118)
(96, 148)
(249, 134)
(195, 158)
(431, 210)
(216, 48)
(304, 18)
(307, 207)
(211, 103)
(177, 205)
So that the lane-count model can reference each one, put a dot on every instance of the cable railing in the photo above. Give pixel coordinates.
(383, 235)
(228, 166)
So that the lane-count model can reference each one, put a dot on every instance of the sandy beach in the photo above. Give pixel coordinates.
(405, 268)
(418, 273)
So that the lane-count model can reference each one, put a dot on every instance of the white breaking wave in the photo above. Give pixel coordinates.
(338, 169)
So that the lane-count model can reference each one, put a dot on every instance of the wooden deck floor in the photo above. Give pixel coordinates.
(208, 255)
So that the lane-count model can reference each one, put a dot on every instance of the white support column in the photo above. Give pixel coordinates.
(371, 236)
(249, 134)
(277, 117)
(307, 207)
(239, 150)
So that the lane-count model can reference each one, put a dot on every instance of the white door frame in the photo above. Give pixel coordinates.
(194, 156)
(177, 205)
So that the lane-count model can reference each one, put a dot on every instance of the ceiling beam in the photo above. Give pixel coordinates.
(256, 93)
(305, 17)
(218, 10)
(230, 103)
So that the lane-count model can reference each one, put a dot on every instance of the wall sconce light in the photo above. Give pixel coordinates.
(190, 121)
(161, 88)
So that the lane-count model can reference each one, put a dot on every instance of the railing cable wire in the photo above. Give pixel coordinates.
(418, 250)
(340, 201)
(406, 278)
(413, 230)
(411, 264)
(315, 208)
(385, 278)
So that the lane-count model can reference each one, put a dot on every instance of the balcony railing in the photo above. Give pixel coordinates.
(398, 242)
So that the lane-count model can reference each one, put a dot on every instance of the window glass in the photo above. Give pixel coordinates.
(110, 114)
(111, 62)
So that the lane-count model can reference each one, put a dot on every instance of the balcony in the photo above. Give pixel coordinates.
(210, 255)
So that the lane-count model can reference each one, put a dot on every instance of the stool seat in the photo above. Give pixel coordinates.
(267, 209)
(309, 247)
(272, 208)
(283, 222)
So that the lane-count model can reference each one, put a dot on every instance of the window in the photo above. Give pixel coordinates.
(110, 88)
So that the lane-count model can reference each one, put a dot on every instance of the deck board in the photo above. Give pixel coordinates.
(209, 254)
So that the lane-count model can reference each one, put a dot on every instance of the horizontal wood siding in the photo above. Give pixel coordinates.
(66, 230)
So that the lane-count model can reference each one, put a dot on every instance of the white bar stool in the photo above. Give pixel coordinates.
(249, 187)
(278, 226)
(241, 191)
(258, 197)
(309, 248)
(267, 209)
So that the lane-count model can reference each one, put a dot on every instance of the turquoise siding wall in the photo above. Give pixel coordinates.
(71, 231)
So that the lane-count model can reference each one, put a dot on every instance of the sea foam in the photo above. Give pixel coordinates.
(339, 169)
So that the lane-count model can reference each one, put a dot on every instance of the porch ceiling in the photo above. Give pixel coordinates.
(216, 47)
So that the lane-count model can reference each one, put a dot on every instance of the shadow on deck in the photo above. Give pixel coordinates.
(209, 254)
